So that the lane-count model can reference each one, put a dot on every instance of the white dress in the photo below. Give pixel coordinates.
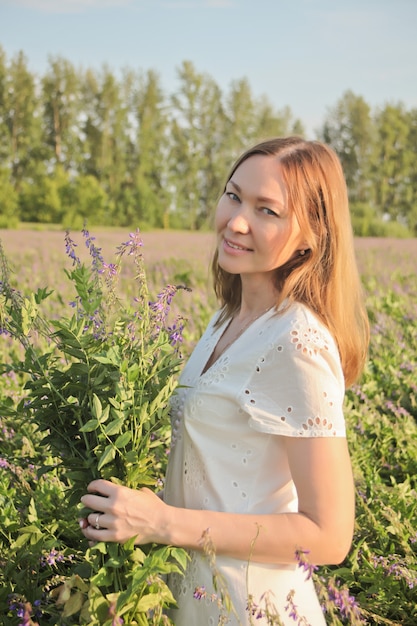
(281, 378)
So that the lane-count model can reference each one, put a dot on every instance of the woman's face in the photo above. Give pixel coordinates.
(256, 231)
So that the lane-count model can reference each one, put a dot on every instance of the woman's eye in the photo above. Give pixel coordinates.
(269, 211)
(232, 196)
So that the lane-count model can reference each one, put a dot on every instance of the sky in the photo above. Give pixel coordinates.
(304, 54)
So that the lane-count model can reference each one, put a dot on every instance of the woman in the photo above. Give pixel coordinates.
(259, 469)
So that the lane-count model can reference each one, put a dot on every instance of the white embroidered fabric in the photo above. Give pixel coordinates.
(281, 378)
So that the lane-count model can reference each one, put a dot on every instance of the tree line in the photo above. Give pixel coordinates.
(114, 149)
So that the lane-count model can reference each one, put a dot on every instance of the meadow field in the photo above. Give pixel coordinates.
(192, 247)
(38, 258)
(47, 574)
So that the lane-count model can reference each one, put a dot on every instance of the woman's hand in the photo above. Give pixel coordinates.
(120, 513)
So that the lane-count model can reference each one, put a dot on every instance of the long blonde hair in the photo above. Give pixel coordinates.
(326, 277)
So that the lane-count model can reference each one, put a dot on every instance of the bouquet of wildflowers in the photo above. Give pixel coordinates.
(97, 390)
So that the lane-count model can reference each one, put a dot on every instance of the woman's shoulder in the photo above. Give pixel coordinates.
(297, 313)
(298, 382)
(295, 323)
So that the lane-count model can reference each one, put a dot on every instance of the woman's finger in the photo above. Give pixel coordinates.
(101, 486)
(95, 502)
(97, 520)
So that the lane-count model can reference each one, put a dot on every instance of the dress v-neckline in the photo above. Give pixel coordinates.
(211, 361)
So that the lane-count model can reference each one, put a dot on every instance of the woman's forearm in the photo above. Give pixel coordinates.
(262, 538)
(323, 525)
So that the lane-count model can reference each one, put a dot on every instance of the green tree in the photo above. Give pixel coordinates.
(84, 200)
(240, 123)
(22, 120)
(412, 147)
(161, 160)
(105, 129)
(61, 111)
(197, 129)
(249, 120)
(9, 217)
(4, 151)
(273, 123)
(349, 129)
(149, 149)
(40, 202)
(393, 162)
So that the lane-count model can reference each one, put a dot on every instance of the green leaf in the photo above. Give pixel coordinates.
(42, 294)
(123, 439)
(181, 556)
(150, 601)
(107, 456)
(102, 578)
(96, 409)
(113, 428)
(20, 541)
(80, 475)
(133, 373)
(79, 369)
(103, 359)
(30, 530)
(89, 426)
(105, 415)
(74, 604)
(115, 562)
(131, 456)
(74, 352)
(29, 312)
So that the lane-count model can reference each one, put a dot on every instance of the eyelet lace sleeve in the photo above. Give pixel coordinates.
(296, 388)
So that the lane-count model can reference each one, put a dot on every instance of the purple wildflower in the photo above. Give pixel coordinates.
(362, 494)
(161, 307)
(254, 609)
(6, 432)
(52, 558)
(292, 610)
(95, 252)
(398, 411)
(70, 246)
(116, 620)
(360, 428)
(131, 247)
(199, 593)
(394, 565)
(23, 610)
(302, 561)
(175, 332)
(110, 269)
(346, 603)
(357, 390)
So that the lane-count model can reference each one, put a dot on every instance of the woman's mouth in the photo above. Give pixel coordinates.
(235, 246)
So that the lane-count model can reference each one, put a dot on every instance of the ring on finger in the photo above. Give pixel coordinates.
(96, 523)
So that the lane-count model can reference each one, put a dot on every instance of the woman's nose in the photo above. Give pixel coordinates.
(238, 223)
